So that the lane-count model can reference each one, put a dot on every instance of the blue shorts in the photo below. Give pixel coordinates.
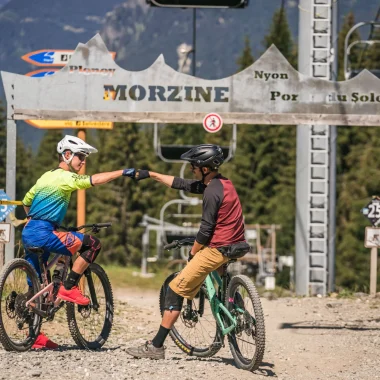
(43, 234)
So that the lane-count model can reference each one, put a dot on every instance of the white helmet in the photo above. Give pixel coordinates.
(75, 145)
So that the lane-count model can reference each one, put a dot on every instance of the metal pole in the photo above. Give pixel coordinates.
(194, 39)
(10, 188)
(373, 276)
(332, 161)
(81, 195)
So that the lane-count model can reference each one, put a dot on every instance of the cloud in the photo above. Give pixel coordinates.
(69, 28)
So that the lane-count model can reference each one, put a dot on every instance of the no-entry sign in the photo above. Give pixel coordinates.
(212, 122)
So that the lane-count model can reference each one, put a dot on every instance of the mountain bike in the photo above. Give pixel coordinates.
(224, 306)
(26, 302)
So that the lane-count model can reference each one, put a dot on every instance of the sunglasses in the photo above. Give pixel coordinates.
(81, 156)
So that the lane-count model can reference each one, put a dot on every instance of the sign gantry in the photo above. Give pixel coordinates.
(93, 87)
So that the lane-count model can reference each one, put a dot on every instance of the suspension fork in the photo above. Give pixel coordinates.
(91, 287)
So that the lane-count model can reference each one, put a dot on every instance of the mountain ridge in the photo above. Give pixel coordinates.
(139, 33)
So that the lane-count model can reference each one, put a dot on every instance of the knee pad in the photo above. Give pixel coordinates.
(173, 301)
(90, 248)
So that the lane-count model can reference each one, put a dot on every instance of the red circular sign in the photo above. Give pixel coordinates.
(212, 123)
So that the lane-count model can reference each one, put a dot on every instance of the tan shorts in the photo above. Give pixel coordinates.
(190, 279)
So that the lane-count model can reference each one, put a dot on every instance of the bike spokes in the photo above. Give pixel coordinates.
(91, 325)
(247, 341)
(195, 332)
(19, 326)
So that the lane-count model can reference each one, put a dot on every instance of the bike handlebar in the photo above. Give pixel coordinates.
(179, 243)
(95, 227)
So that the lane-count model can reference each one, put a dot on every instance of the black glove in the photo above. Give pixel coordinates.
(131, 172)
(141, 174)
(190, 257)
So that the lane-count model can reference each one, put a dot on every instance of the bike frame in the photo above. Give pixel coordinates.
(217, 306)
(48, 286)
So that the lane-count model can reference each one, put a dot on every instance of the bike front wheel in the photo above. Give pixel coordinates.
(247, 340)
(195, 332)
(91, 325)
(19, 326)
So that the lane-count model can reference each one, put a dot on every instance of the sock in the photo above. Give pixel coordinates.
(71, 280)
(159, 339)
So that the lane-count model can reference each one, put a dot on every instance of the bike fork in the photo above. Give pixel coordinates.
(91, 287)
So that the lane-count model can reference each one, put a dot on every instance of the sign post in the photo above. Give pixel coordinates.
(372, 238)
(4, 211)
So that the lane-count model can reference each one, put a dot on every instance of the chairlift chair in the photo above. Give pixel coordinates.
(350, 73)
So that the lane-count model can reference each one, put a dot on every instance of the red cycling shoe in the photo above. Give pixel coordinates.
(43, 341)
(73, 295)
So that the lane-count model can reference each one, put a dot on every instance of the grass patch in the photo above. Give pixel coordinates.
(345, 293)
(129, 277)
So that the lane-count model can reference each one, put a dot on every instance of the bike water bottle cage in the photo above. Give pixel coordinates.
(173, 301)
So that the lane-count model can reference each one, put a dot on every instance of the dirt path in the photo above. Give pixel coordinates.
(307, 338)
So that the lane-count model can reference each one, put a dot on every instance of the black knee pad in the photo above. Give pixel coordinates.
(90, 248)
(173, 301)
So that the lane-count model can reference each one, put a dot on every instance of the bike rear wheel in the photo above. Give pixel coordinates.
(90, 326)
(195, 332)
(19, 327)
(247, 340)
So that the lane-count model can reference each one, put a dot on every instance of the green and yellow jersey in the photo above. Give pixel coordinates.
(49, 198)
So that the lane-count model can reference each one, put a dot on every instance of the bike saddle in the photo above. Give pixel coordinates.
(37, 250)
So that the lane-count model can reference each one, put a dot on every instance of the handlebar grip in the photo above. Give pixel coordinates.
(173, 244)
(103, 225)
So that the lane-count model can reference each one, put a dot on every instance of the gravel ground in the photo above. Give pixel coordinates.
(307, 338)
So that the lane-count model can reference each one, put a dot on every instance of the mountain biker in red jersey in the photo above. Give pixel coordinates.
(221, 226)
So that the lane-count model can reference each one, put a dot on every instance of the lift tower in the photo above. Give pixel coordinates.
(315, 193)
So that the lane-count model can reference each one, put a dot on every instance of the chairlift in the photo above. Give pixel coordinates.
(172, 153)
(350, 73)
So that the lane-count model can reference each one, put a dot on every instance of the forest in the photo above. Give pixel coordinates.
(263, 171)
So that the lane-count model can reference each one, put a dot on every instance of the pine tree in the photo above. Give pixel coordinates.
(280, 35)
(246, 59)
(123, 201)
(47, 156)
(357, 180)
(265, 159)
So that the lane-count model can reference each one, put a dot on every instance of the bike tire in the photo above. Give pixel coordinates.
(178, 332)
(250, 327)
(83, 318)
(12, 306)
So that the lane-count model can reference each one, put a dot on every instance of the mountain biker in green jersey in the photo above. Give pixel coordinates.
(46, 205)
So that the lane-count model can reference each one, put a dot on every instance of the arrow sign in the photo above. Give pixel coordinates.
(41, 73)
(5, 210)
(51, 57)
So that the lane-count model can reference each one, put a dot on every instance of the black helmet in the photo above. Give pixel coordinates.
(205, 155)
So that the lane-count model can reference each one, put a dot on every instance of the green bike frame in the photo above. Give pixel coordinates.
(217, 306)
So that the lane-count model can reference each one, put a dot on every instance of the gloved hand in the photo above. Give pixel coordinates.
(141, 174)
(131, 172)
(190, 257)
